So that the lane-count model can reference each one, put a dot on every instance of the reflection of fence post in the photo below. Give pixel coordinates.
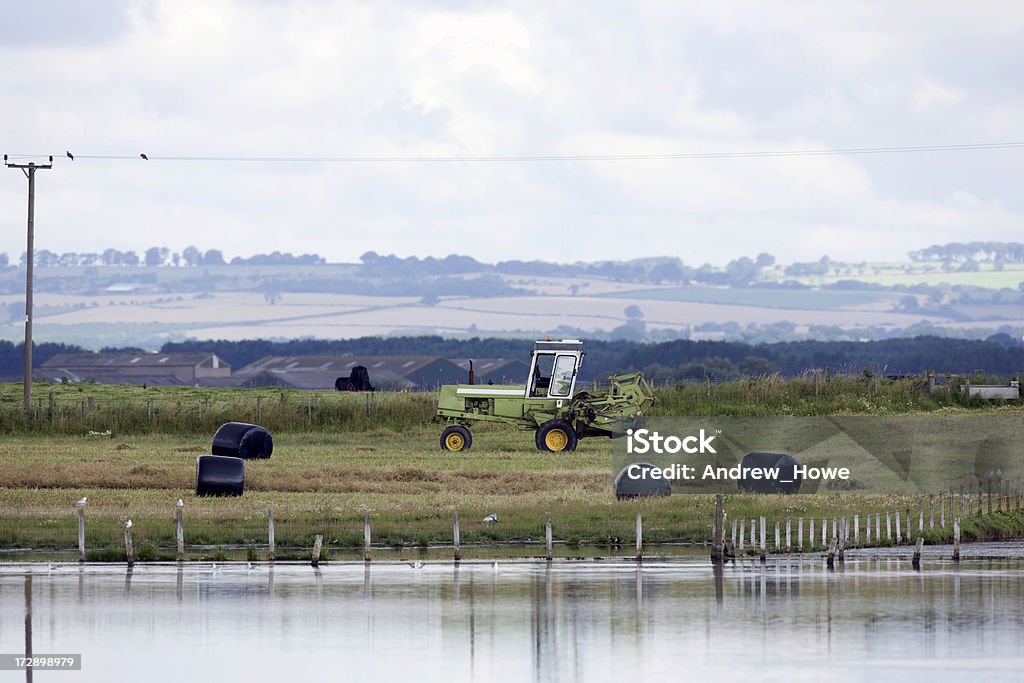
(272, 553)
(81, 534)
(547, 537)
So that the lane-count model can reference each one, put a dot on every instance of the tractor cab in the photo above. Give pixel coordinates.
(553, 369)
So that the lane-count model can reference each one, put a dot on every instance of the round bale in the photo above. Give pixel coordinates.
(641, 483)
(242, 440)
(219, 475)
(784, 482)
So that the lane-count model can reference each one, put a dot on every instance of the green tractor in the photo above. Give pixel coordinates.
(548, 405)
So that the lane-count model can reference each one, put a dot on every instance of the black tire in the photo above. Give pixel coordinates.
(456, 438)
(219, 475)
(555, 433)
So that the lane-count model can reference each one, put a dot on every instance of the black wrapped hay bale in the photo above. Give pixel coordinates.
(241, 440)
(785, 482)
(629, 487)
(219, 475)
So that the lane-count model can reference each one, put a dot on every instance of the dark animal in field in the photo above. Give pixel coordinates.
(358, 380)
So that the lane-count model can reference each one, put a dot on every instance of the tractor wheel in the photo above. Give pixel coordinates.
(456, 438)
(556, 436)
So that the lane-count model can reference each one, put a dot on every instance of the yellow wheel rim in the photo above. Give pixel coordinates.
(454, 441)
(556, 440)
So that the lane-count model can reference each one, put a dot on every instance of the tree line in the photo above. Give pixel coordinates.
(190, 256)
(962, 252)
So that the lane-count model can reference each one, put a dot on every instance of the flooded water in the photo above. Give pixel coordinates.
(790, 619)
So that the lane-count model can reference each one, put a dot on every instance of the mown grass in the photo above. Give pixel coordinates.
(334, 461)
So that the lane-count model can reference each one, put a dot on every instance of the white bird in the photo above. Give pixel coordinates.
(494, 565)
(81, 503)
(491, 518)
(50, 566)
(250, 567)
(128, 524)
(181, 503)
(418, 564)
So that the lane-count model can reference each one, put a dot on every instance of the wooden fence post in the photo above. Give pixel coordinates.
(867, 532)
(811, 525)
(762, 529)
(824, 532)
(639, 538)
(718, 538)
(547, 537)
(920, 518)
(956, 539)
(366, 537)
(778, 537)
(800, 534)
(81, 534)
(180, 534)
(856, 530)
(128, 549)
(789, 534)
(942, 511)
(831, 561)
(888, 526)
(916, 561)
(743, 530)
(271, 554)
(899, 532)
(455, 537)
(734, 535)
(317, 542)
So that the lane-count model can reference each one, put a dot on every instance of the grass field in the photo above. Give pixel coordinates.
(335, 462)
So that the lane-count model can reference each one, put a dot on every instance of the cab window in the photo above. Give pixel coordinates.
(561, 378)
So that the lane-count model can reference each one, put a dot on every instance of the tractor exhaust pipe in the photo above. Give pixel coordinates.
(472, 377)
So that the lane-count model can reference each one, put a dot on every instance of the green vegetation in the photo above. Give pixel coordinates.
(332, 463)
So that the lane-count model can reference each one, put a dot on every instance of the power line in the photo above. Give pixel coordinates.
(851, 151)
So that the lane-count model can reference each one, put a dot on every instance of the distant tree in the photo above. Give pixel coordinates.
(756, 366)
(5, 260)
(764, 260)
(633, 312)
(157, 256)
(192, 256)
(213, 257)
(129, 258)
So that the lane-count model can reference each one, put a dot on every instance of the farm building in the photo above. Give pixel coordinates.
(495, 370)
(414, 373)
(155, 369)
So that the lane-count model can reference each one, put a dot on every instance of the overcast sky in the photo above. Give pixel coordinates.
(470, 79)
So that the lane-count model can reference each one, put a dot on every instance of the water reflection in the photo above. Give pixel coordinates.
(587, 621)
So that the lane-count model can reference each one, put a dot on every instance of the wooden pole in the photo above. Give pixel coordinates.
(789, 536)
(956, 539)
(366, 537)
(734, 534)
(844, 531)
(942, 511)
(271, 554)
(180, 535)
(831, 560)
(547, 537)
(916, 561)
(743, 532)
(455, 536)
(707, 387)
(856, 530)
(989, 494)
(778, 537)
(824, 532)
(718, 539)
(920, 517)
(908, 526)
(811, 525)
(931, 512)
(639, 537)
(800, 534)
(317, 542)
(867, 532)
(762, 529)
(899, 533)
(81, 534)
(128, 549)
(888, 526)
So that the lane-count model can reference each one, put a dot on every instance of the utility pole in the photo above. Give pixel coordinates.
(29, 170)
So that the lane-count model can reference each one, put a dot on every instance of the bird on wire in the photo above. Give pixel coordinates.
(128, 524)
(70, 155)
(81, 503)
(144, 157)
(491, 518)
